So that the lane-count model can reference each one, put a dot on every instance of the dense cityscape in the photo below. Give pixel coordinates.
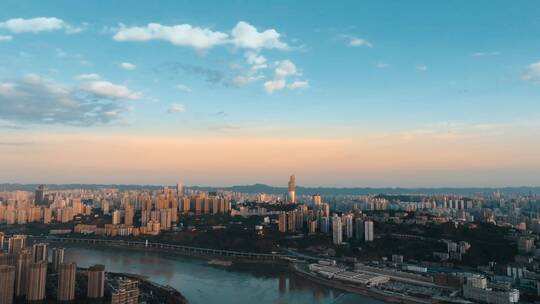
(270, 152)
(415, 248)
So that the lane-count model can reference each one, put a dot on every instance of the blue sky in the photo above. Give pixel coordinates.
(349, 70)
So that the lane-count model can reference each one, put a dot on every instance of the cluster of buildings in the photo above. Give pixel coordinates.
(25, 271)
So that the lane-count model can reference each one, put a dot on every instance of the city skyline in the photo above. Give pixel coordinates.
(415, 94)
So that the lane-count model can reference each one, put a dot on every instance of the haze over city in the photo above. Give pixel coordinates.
(380, 94)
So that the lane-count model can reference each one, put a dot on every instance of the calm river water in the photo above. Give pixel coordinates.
(201, 283)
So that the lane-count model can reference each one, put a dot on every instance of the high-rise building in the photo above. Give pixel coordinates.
(326, 209)
(126, 293)
(67, 273)
(39, 252)
(116, 217)
(368, 231)
(337, 232)
(179, 189)
(316, 198)
(96, 282)
(16, 243)
(282, 222)
(57, 257)
(128, 215)
(37, 281)
(292, 190)
(291, 221)
(347, 220)
(40, 195)
(7, 283)
(22, 272)
(359, 229)
(325, 224)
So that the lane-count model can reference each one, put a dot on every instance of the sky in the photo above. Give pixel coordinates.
(348, 93)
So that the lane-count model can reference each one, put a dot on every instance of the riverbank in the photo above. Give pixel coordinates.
(365, 291)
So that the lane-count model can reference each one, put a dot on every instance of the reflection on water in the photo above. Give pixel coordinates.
(201, 283)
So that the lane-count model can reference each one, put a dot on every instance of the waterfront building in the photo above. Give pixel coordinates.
(7, 283)
(39, 252)
(96, 282)
(22, 272)
(37, 281)
(128, 215)
(368, 231)
(116, 217)
(476, 288)
(16, 243)
(67, 273)
(126, 293)
(337, 232)
(57, 257)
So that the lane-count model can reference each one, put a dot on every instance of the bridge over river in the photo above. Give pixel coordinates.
(187, 250)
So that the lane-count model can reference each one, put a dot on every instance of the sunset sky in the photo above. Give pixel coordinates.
(342, 93)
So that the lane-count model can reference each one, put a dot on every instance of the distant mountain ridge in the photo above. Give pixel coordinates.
(262, 188)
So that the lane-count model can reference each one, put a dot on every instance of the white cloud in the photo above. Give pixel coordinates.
(274, 85)
(242, 80)
(283, 70)
(5, 38)
(482, 54)
(37, 100)
(359, 42)
(110, 90)
(532, 72)
(181, 35)
(245, 35)
(91, 76)
(183, 87)
(382, 65)
(176, 108)
(356, 41)
(298, 84)
(128, 66)
(38, 24)
(421, 68)
(256, 60)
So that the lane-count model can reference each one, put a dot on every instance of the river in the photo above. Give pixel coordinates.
(201, 283)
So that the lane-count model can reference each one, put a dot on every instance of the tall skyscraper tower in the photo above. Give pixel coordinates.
(179, 189)
(66, 281)
(292, 190)
(337, 232)
(40, 195)
(7, 283)
(96, 282)
(37, 281)
(57, 257)
(368, 231)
